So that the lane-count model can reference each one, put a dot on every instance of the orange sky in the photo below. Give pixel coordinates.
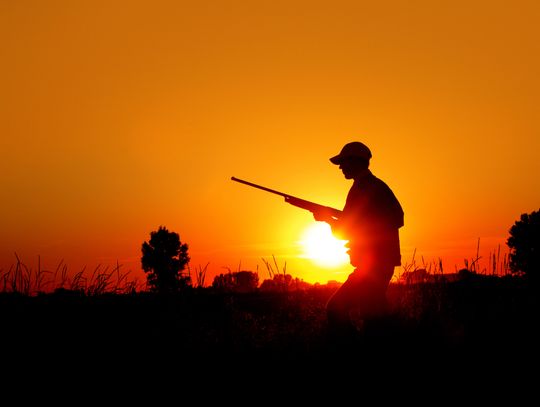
(117, 117)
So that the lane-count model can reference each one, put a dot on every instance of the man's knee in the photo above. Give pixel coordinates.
(336, 311)
(333, 311)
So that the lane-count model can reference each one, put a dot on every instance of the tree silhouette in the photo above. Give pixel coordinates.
(524, 244)
(164, 257)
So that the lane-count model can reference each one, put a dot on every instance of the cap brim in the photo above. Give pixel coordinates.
(336, 160)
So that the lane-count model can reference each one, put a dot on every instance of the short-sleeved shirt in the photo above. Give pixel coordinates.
(370, 221)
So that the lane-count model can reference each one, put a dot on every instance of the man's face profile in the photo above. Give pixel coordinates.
(351, 166)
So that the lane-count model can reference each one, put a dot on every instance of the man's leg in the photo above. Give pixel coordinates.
(377, 309)
(341, 330)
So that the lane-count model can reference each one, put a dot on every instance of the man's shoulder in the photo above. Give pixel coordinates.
(375, 182)
(371, 185)
(379, 189)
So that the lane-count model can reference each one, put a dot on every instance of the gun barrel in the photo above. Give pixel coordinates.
(300, 203)
(251, 184)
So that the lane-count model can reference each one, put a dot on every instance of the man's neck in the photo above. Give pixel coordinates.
(362, 174)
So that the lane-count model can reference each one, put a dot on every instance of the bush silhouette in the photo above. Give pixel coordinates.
(237, 282)
(164, 258)
(524, 244)
(280, 282)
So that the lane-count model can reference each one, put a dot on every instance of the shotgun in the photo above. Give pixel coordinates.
(298, 202)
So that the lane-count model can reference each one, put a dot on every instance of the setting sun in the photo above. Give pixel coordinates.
(320, 246)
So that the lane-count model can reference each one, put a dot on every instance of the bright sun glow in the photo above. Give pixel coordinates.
(320, 246)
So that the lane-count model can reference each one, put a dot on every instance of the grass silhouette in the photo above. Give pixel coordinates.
(22, 279)
(109, 316)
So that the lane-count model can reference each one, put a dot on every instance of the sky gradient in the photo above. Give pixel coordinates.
(117, 117)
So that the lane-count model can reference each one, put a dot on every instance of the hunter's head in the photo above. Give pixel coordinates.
(353, 159)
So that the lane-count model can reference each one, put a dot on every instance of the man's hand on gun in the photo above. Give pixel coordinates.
(323, 215)
(320, 213)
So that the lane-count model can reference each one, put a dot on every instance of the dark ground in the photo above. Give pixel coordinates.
(477, 327)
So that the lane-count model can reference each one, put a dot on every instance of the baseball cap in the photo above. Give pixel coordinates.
(353, 149)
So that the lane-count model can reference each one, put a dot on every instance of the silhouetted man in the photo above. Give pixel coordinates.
(370, 221)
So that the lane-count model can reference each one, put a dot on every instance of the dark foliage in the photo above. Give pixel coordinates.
(164, 258)
(524, 244)
(440, 322)
(474, 334)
